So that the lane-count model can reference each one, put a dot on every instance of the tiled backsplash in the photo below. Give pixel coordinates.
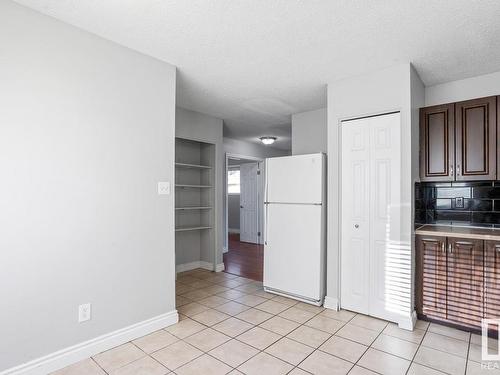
(463, 203)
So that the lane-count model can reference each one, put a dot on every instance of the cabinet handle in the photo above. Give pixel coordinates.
(458, 170)
(451, 170)
(497, 247)
(442, 247)
(450, 248)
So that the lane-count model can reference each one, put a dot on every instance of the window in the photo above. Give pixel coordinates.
(233, 181)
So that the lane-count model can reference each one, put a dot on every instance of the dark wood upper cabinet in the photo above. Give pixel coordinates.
(465, 281)
(431, 276)
(491, 279)
(498, 137)
(476, 139)
(437, 143)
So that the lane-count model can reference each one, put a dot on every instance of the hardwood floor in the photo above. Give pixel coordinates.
(244, 259)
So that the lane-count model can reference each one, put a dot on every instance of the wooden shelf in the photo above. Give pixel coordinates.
(193, 208)
(188, 228)
(193, 186)
(192, 166)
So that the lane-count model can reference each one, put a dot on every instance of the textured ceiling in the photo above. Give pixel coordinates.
(255, 62)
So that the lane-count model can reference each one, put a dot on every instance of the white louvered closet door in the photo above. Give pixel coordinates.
(375, 270)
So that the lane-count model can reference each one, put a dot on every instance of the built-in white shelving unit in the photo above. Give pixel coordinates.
(195, 166)
(188, 186)
(188, 228)
(194, 201)
(194, 208)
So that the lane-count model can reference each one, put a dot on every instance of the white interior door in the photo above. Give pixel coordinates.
(355, 247)
(248, 203)
(371, 207)
(388, 279)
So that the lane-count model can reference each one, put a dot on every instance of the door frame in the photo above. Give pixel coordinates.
(260, 193)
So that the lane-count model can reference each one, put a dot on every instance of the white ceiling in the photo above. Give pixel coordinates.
(255, 62)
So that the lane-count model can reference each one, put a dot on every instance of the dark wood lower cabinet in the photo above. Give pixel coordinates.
(431, 271)
(492, 279)
(458, 280)
(465, 259)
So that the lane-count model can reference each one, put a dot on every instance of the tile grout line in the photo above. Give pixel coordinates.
(467, 356)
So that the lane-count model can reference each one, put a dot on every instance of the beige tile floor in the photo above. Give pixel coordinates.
(228, 324)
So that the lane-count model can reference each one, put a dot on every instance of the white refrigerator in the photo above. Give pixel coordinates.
(295, 227)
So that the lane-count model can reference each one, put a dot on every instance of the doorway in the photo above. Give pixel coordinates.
(244, 251)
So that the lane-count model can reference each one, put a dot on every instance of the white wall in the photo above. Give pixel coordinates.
(464, 89)
(205, 128)
(309, 132)
(87, 131)
(375, 93)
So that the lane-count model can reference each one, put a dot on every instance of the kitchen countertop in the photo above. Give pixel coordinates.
(459, 232)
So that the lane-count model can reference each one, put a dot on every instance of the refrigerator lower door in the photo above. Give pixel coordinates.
(294, 251)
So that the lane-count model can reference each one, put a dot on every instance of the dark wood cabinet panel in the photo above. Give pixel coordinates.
(437, 143)
(476, 138)
(465, 281)
(492, 279)
(431, 276)
(498, 137)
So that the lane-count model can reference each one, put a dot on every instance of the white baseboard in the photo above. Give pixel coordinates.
(220, 267)
(233, 230)
(198, 264)
(193, 265)
(331, 303)
(78, 352)
(409, 322)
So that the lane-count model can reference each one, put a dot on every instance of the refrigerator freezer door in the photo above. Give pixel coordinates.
(295, 179)
(294, 250)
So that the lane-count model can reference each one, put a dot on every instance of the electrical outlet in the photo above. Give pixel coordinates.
(459, 202)
(163, 188)
(84, 312)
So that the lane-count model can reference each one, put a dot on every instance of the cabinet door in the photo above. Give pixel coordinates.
(465, 281)
(498, 138)
(437, 143)
(431, 276)
(492, 279)
(476, 129)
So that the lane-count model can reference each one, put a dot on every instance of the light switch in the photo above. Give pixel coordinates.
(163, 188)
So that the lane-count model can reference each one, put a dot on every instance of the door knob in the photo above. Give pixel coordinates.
(356, 226)
(241, 206)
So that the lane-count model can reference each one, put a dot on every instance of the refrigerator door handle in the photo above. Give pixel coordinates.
(266, 205)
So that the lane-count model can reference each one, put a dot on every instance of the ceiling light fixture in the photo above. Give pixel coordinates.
(268, 140)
